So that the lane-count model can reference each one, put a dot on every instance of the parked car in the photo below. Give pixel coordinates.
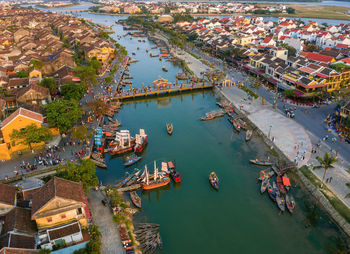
(290, 113)
(347, 140)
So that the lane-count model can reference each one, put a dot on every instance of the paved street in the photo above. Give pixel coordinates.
(102, 216)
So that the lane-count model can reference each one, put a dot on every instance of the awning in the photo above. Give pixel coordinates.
(286, 181)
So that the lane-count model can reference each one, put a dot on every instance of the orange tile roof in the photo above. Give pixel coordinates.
(23, 112)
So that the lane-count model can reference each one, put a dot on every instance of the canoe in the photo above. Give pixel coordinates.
(262, 175)
(270, 174)
(275, 189)
(99, 163)
(132, 161)
(261, 162)
(136, 200)
(264, 184)
(271, 192)
(290, 203)
(248, 135)
(169, 128)
(281, 202)
(214, 180)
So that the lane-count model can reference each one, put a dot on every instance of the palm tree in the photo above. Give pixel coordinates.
(326, 163)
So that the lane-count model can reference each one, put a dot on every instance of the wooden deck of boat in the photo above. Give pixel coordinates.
(131, 94)
(130, 188)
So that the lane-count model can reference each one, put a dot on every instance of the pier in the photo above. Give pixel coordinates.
(133, 93)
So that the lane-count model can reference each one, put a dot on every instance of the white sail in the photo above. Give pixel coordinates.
(155, 174)
(164, 167)
(147, 177)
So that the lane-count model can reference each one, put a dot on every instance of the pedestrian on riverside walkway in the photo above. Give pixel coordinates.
(330, 179)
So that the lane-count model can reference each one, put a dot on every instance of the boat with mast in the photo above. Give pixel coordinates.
(122, 143)
(141, 141)
(155, 181)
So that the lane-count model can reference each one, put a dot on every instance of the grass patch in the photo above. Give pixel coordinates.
(250, 92)
(338, 205)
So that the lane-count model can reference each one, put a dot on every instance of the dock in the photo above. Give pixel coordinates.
(133, 93)
(130, 188)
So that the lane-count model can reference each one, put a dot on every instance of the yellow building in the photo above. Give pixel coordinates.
(117, 10)
(59, 202)
(102, 54)
(21, 118)
(35, 74)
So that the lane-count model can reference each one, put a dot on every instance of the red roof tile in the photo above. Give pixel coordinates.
(7, 194)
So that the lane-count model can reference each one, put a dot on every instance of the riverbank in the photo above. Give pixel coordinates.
(56, 7)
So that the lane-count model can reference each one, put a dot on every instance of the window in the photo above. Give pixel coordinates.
(63, 216)
(79, 211)
(49, 219)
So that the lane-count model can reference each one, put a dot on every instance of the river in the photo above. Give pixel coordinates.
(193, 217)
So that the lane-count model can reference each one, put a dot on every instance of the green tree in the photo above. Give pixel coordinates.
(326, 162)
(291, 51)
(23, 74)
(86, 74)
(311, 47)
(31, 134)
(288, 92)
(98, 107)
(109, 79)
(72, 91)
(63, 114)
(290, 10)
(94, 63)
(83, 172)
(81, 132)
(36, 64)
(49, 83)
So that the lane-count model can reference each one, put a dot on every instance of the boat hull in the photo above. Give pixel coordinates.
(156, 185)
(140, 148)
(120, 151)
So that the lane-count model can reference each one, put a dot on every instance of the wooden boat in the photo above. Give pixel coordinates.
(136, 200)
(164, 69)
(147, 50)
(270, 174)
(236, 125)
(214, 180)
(98, 163)
(141, 141)
(154, 47)
(123, 143)
(290, 203)
(212, 115)
(271, 192)
(262, 175)
(242, 124)
(281, 202)
(169, 128)
(152, 55)
(181, 76)
(275, 189)
(280, 185)
(261, 162)
(248, 135)
(173, 173)
(132, 160)
(160, 58)
(133, 53)
(158, 180)
(264, 184)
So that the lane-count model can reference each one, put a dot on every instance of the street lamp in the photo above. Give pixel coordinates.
(269, 131)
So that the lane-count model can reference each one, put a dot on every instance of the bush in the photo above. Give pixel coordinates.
(250, 92)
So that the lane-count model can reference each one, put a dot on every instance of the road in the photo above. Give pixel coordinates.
(102, 216)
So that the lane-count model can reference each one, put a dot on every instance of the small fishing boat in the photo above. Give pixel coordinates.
(132, 160)
(181, 76)
(173, 173)
(98, 163)
(262, 175)
(264, 184)
(154, 47)
(136, 200)
(164, 69)
(169, 128)
(141, 141)
(248, 135)
(271, 192)
(281, 202)
(133, 53)
(235, 125)
(275, 189)
(261, 162)
(147, 50)
(270, 174)
(212, 115)
(290, 203)
(214, 180)
(280, 184)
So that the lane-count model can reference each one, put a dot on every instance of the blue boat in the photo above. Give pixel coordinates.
(132, 160)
